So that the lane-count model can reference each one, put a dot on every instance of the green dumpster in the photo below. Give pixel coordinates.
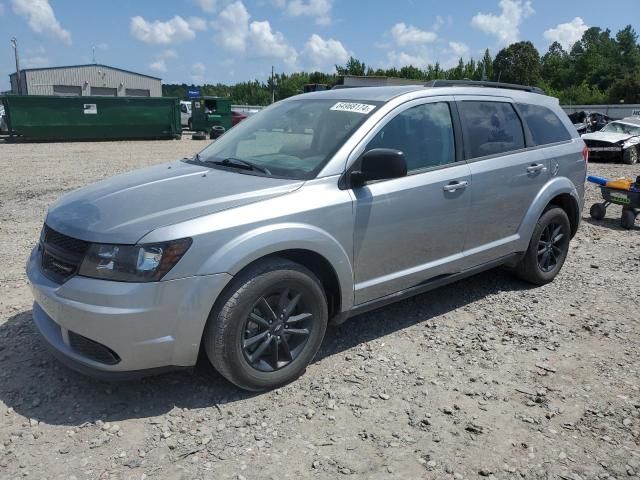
(207, 112)
(39, 117)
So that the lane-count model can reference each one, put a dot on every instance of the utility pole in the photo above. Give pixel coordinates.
(14, 44)
(273, 87)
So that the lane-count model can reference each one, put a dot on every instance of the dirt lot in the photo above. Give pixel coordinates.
(484, 378)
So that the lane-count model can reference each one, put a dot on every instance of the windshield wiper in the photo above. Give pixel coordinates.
(239, 163)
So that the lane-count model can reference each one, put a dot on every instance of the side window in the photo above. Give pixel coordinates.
(490, 128)
(424, 133)
(544, 125)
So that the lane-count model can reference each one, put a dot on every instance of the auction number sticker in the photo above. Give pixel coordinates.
(90, 109)
(363, 108)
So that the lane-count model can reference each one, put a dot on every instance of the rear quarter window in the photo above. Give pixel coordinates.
(490, 128)
(544, 124)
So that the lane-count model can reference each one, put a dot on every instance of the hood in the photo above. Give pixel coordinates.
(124, 208)
(611, 137)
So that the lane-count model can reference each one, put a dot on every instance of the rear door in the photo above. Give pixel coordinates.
(506, 176)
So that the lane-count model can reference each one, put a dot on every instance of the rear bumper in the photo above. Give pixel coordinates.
(149, 326)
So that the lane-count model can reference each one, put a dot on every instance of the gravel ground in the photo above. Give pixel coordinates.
(484, 378)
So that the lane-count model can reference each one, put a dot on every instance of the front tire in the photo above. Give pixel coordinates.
(630, 156)
(267, 326)
(598, 211)
(548, 248)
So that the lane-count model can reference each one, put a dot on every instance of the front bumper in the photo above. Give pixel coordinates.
(612, 152)
(149, 326)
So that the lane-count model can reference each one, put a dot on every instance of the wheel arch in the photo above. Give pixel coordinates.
(560, 192)
(570, 206)
(307, 245)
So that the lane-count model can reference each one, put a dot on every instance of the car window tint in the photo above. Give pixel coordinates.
(423, 133)
(544, 125)
(490, 128)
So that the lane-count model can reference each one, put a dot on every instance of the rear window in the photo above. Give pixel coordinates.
(544, 125)
(490, 128)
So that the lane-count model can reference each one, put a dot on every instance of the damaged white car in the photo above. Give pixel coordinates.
(617, 141)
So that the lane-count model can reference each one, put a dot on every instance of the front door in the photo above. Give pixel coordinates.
(411, 229)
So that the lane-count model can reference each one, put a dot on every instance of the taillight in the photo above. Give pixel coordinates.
(585, 154)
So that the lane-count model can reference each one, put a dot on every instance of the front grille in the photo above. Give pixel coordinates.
(61, 255)
(93, 350)
(599, 144)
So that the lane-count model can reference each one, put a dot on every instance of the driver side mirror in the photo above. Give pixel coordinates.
(379, 164)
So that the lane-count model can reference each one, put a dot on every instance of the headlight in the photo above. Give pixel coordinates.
(133, 263)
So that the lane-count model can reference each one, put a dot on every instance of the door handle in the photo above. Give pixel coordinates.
(453, 186)
(536, 167)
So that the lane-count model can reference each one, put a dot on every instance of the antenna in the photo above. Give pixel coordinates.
(273, 87)
(93, 53)
(14, 45)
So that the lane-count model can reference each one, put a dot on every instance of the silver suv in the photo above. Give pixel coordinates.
(318, 208)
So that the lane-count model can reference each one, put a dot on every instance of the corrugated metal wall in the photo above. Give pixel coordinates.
(41, 82)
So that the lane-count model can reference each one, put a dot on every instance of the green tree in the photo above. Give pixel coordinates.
(485, 68)
(626, 89)
(518, 63)
(352, 67)
(557, 68)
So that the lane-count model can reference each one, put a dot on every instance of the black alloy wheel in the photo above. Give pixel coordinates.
(550, 247)
(276, 330)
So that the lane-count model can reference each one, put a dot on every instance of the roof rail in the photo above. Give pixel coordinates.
(474, 83)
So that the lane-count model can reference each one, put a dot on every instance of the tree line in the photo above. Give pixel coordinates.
(600, 68)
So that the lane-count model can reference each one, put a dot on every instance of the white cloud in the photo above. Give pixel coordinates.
(506, 26)
(41, 18)
(198, 70)
(324, 53)
(319, 9)
(267, 43)
(232, 26)
(404, 59)
(257, 39)
(169, 53)
(438, 23)
(159, 65)
(404, 35)
(208, 6)
(197, 23)
(567, 34)
(174, 30)
(35, 62)
(459, 49)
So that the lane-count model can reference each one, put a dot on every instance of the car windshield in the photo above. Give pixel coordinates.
(291, 139)
(619, 127)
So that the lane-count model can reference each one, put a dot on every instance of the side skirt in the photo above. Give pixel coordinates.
(431, 284)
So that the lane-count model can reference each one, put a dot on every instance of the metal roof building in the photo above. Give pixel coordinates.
(83, 80)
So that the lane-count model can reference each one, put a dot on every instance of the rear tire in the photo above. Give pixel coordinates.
(548, 248)
(630, 156)
(250, 338)
(598, 211)
(628, 219)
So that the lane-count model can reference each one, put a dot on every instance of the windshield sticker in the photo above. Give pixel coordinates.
(353, 107)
